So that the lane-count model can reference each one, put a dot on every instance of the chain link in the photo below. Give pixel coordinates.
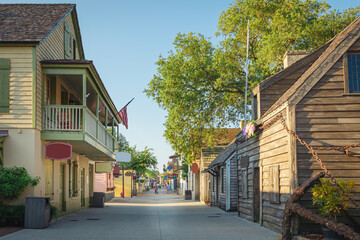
(312, 149)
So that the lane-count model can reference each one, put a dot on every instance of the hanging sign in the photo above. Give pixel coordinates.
(194, 168)
(58, 151)
(123, 157)
(116, 171)
(103, 167)
(128, 174)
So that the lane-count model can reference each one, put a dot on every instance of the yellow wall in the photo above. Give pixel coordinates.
(119, 186)
(20, 115)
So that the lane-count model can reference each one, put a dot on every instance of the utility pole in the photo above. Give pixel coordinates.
(123, 181)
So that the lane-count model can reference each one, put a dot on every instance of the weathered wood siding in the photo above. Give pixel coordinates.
(272, 93)
(51, 48)
(233, 186)
(268, 149)
(326, 117)
(234, 195)
(21, 81)
(207, 156)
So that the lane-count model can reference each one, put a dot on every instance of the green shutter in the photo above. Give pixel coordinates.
(4, 85)
(67, 41)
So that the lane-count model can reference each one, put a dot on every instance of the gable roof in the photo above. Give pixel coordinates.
(296, 66)
(30, 23)
(223, 156)
(227, 137)
(338, 46)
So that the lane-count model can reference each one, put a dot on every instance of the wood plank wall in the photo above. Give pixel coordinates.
(272, 93)
(269, 148)
(51, 48)
(207, 156)
(20, 115)
(326, 117)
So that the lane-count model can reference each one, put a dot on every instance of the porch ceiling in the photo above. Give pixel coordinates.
(88, 147)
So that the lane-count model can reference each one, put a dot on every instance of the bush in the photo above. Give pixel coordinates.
(12, 215)
(53, 212)
(13, 181)
(330, 198)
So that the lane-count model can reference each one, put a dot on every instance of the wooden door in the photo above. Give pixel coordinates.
(82, 186)
(228, 190)
(62, 203)
(256, 196)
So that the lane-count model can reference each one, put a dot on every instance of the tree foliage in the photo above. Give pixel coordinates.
(13, 181)
(143, 160)
(202, 86)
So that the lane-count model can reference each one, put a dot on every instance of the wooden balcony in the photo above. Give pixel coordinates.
(78, 126)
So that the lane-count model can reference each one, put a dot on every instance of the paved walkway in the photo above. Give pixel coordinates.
(150, 216)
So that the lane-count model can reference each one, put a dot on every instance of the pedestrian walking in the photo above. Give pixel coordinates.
(156, 188)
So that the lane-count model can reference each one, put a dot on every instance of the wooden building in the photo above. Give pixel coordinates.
(49, 93)
(199, 182)
(318, 96)
(105, 182)
(223, 180)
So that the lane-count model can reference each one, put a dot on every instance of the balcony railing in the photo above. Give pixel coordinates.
(69, 119)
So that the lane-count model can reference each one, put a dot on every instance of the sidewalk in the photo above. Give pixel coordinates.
(150, 216)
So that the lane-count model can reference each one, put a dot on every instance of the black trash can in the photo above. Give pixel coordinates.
(98, 199)
(37, 212)
(187, 194)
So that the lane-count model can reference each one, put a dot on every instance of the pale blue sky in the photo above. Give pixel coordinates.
(125, 38)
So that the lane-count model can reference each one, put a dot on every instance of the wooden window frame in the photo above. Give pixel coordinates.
(346, 75)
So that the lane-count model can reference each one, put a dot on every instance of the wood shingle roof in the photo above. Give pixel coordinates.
(30, 23)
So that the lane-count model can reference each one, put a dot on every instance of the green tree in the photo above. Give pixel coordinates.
(151, 173)
(142, 160)
(202, 86)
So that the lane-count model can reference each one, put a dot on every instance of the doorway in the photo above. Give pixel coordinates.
(228, 190)
(82, 174)
(62, 203)
(256, 197)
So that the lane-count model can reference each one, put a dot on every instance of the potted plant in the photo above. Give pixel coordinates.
(332, 200)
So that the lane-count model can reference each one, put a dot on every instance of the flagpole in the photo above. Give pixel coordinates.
(247, 68)
(129, 102)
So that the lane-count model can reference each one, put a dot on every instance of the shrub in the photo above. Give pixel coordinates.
(13, 181)
(53, 212)
(12, 215)
(330, 198)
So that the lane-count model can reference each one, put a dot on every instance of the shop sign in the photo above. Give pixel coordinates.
(103, 167)
(194, 168)
(58, 151)
(128, 174)
(122, 157)
(117, 171)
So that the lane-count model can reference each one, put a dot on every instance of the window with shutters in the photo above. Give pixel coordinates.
(68, 42)
(274, 184)
(244, 183)
(4, 85)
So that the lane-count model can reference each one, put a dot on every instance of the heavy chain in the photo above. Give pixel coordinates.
(312, 149)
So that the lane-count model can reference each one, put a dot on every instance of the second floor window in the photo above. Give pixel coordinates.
(354, 72)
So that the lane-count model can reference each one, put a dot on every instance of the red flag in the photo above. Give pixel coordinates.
(123, 117)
